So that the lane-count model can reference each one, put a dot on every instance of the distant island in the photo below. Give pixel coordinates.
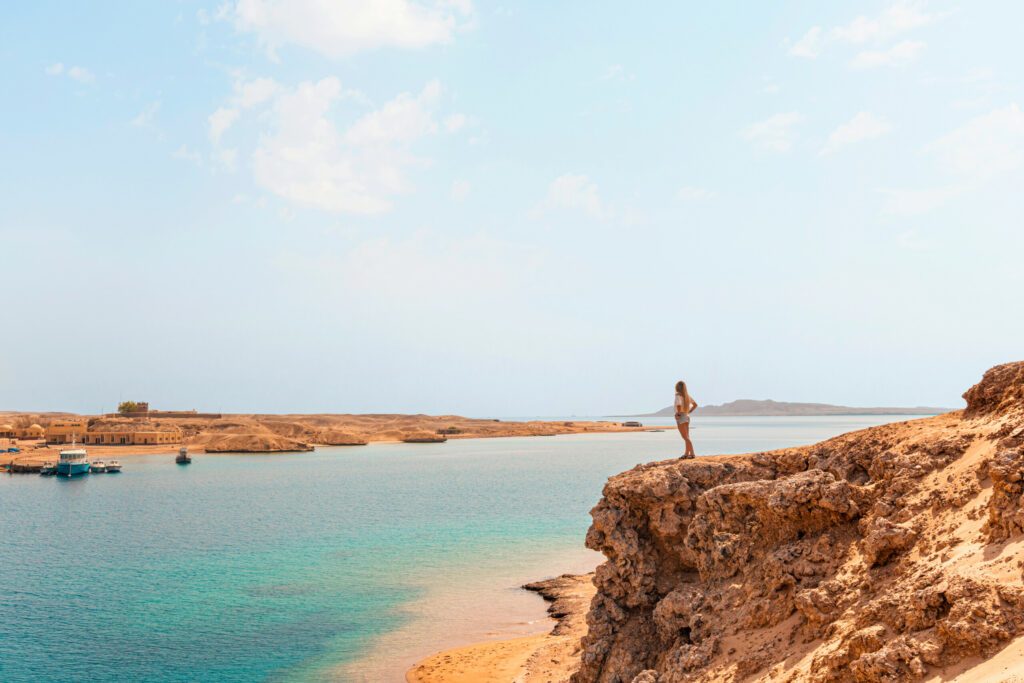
(750, 407)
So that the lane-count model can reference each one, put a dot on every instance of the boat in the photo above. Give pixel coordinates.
(48, 469)
(98, 467)
(183, 456)
(73, 462)
(113, 467)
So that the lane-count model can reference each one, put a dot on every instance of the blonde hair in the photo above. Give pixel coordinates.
(681, 390)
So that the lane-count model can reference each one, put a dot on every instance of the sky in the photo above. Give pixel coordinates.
(507, 209)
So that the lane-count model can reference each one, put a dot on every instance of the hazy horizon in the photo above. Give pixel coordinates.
(621, 413)
(483, 209)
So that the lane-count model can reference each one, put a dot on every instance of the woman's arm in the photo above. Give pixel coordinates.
(693, 404)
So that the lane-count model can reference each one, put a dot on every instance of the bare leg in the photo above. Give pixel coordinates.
(684, 429)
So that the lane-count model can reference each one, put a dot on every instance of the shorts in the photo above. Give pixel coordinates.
(682, 419)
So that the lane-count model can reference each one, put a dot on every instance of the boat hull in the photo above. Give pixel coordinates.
(72, 469)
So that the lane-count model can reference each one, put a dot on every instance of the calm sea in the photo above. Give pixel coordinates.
(346, 564)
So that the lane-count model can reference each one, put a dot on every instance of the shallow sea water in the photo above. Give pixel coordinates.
(345, 564)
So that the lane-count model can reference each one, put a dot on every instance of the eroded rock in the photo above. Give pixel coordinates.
(838, 557)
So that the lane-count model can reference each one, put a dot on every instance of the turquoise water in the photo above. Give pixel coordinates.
(343, 564)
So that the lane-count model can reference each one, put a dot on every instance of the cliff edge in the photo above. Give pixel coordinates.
(888, 554)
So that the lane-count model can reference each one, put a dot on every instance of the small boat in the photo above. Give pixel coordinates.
(98, 467)
(48, 469)
(183, 456)
(113, 467)
(73, 462)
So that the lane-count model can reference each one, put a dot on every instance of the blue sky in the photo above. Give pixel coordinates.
(507, 209)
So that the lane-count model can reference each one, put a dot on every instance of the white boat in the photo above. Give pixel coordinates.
(98, 467)
(113, 466)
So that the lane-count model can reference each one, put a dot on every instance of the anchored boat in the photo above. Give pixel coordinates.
(113, 467)
(73, 462)
(48, 469)
(98, 467)
(183, 456)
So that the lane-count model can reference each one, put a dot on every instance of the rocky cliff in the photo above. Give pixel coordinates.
(888, 554)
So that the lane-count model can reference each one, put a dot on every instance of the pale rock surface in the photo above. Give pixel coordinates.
(889, 554)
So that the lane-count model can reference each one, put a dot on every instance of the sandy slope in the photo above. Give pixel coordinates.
(541, 658)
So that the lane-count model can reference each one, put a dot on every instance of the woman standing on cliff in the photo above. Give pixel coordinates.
(684, 404)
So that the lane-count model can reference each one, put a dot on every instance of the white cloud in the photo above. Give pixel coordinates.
(775, 133)
(898, 18)
(809, 46)
(185, 153)
(144, 119)
(254, 92)
(863, 126)
(455, 122)
(227, 158)
(404, 118)
(247, 94)
(986, 146)
(307, 159)
(693, 194)
(903, 202)
(574, 192)
(78, 73)
(219, 122)
(81, 74)
(343, 27)
(616, 72)
(895, 20)
(613, 72)
(460, 190)
(306, 155)
(220, 14)
(897, 55)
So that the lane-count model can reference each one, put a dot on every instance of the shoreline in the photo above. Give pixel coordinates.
(414, 429)
(550, 656)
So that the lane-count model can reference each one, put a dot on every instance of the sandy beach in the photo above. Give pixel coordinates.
(540, 658)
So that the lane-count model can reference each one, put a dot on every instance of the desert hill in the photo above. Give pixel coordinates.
(751, 407)
(888, 554)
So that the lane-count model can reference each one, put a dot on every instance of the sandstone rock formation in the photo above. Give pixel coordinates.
(252, 443)
(423, 437)
(887, 554)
